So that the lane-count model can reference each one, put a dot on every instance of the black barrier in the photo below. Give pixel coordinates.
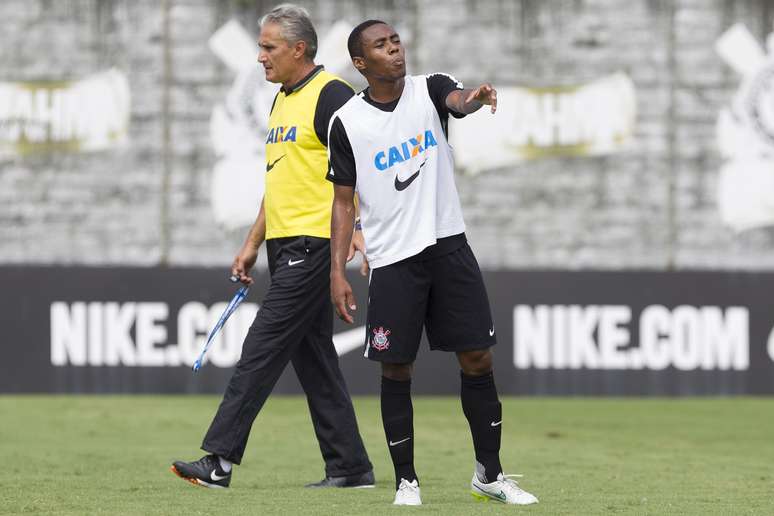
(137, 330)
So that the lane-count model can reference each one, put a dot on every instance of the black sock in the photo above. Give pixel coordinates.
(484, 413)
(398, 420)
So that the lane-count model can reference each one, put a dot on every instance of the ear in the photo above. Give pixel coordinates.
(299, 49)
(359, 63)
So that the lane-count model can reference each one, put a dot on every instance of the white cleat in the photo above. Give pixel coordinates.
(504, 489)
(408, 493)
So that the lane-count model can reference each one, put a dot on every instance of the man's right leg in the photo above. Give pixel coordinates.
(265, 353)
(396, 311)
(275, 333)
(398, 421)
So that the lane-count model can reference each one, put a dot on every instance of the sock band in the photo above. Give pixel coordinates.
(225, 465)
(396, 386)
(484, 383)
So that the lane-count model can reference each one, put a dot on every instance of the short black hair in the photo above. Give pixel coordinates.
(355, 41)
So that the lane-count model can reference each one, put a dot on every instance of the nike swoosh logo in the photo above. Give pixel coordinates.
(491, 332)
(291, 263)
(496, 424)
(398, 442)
(402, 185)
(217, 478)
(271, 166)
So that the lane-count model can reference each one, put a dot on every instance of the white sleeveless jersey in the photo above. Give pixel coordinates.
(405, 174)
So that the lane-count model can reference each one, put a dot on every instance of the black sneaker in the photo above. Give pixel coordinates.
(361, 480)
(204, 472)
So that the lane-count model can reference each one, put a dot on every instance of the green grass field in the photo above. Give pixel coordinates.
(81, 455)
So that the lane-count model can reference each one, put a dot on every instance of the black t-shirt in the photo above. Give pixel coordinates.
(332, 96)
(343, 160)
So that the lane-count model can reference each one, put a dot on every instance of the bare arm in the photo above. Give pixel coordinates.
(470, 100)
(245, 258)
(342, 224)
(358, 242)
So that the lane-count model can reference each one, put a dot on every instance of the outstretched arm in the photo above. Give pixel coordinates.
(342, 224)
(470, 100)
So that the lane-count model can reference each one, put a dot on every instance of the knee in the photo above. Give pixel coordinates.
(475, 363)
(397, 372)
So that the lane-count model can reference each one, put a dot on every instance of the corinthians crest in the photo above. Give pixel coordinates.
(379, 341)
(745, 133)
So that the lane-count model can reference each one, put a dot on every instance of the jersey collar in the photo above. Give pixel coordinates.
(389, 107)
(303, 82)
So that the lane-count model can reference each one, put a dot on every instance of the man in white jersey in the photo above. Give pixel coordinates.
(389, 144)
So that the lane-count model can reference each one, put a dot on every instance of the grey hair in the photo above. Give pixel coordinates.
(295, 25)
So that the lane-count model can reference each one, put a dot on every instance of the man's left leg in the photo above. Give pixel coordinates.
(483, 411)
(333, 417)
(459, 320)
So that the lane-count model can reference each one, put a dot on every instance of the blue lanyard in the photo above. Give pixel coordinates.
(240, 295)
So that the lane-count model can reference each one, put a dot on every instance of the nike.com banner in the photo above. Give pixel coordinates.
(131, 330)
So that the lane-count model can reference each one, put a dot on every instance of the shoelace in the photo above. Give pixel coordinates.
(406, 486)
(508, 480)
(209, 462)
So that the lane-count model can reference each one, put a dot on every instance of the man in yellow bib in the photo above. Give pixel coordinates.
(295, 322)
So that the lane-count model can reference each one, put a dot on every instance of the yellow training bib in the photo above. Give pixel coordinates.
(298, 198)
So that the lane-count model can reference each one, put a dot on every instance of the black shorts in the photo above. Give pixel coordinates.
(445, 294)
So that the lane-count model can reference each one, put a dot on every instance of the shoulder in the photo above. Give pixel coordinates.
(337, 85)
(337, 126)
(439, 86)
(443, 80)
(327, 76)
(353, 104)
(334, 83)
(335, 93)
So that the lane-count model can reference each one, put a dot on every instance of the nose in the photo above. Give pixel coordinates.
(262, 57)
